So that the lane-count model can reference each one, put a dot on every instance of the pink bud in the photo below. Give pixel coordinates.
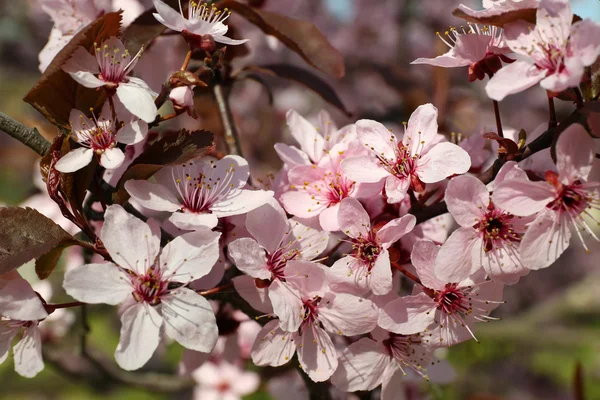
(182, 97)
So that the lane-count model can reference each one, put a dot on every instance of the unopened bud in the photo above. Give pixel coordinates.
(207, 43)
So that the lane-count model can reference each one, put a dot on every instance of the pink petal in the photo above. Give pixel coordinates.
(408, 315)
(291, 155)
(377, 138)
(441, 161)
(347, 275)
(19, 301)
(138, 101)
(168, 16)
(28, 353)
(502, 265)
(152, 195)
(422, 127)
(363, 169)
(300, 204)
(140, 335)
(258, 298)
(6, 339)
(311, 241)
(514, 78)
(380, 278)
(361, 366)
(191, 322)
(509, 171)
(241, 201)
(353, 219)
(396, 189)
(423, 257)
(467, 199)
(554, 18)
(273, 346)
(192, 221)
(447, 60)
(249, 258)
(268, 236)
(228, 41)
(129, 240)
(287, 305)
(112, 158)
(391, 232)
(582, 41)
(545, 240)
(75, 160)
(335, 308)
(133, 133)
(98, 283)
(311, 142)
(522, 198)
(328, 218)
(317, 356)
(79, 122)
(81, 60)
(455, 261)
(575, 153)
(190, 256)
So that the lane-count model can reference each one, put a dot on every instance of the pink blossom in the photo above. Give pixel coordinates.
(561, 201)
(18, 300)
(419, 159)
(203, 19)
(182, 97)
(99, 137)
(367, 267)
(309, 310)
(265, 257)
(223, 381)
(481, 49)
(453, 306)
(374, 360)
(315, 142)
(141, 277)
(317, 190)
(110, 68)
(555, 51)
(494, 8)
(200, 192)
(489, 237)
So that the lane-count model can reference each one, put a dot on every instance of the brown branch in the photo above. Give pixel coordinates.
(28, 136)
(498, 120)
(230, 133)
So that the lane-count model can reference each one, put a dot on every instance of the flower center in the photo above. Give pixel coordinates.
(277, 261)
(366, 249)
(407, 351)
(571, 199)
(496, 229)
(114, 65)
(150, 287)
(208, 13)
(453, 299)
(310, 312)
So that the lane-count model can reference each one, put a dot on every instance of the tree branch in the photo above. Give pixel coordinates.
(28, 136)
(230, 134)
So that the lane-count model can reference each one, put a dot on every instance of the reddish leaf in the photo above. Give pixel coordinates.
(56, 93)
(26, 234)
(506, 146)
(170, 150)
(304, 77)
(302, 37)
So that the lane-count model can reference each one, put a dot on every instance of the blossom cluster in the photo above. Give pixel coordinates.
(337, 263)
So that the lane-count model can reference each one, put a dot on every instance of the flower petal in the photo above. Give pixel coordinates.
(423, 257)
(317, 355)
(408, 315)
(421, 129)
(190, 256)
(467, 199)
(455, 261)
(190, 320)
(168, 16)
(545, 240)
(140, 335)
(133, 132)
(152, 195)
(189, 221)
(19, 301)
(311, 142)
(574, 154)
(377, 138)
(240, 202)
(391, 232)
(28, 353)
(129, 240)
(138, 100)
(363, 169)
(361, 366)
(353, 219)
(249, 258)
(112, 158)
(98, 283)
(335, 308)
(74, 160)
(273, 346)
(257, 297)
(441, 161)
(522, 198)
(514, 78)
(268, 236)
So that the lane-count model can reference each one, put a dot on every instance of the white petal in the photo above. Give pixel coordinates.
(334, 310)
(168, 16)
(273, 346)
(75, 160)
(140, 334)
(311, 142)
(28, 353)
(98, 283)
(441, 161)
(317, 354)
(258, 298)
(19, 301)
(190, 256)
(112, 158)
(152, 195)
(137, 100)
(132, 133)
(241, 202)
(191, 221)
(229, 41)
(190, 320)
(249, 258)
(268, 236)
(361, 366)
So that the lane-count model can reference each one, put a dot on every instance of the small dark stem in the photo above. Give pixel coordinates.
(215, 290)
(113, 110)
(230, 133)
(406, 273)
(579, 95)
(498, 119)
(51, 307)
(553, 121)
(162, 96)
(28, 136)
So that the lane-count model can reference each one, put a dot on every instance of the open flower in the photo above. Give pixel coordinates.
(200, 192)
(556, 51)
(265, 257)
(561, 201)
(99, 137)
(372, 361)
(203, 19)
(223, 381)
(312, 311)
(482, 49)
(110, 68)
(419, 159)
(367, 267)
(489, 237)
(151, 284)
(453, 306)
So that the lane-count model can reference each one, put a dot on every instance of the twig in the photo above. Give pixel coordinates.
(28, 136)
(406, 273)
(553, 121)
(230, 133)
(186, 62)
(498, 120)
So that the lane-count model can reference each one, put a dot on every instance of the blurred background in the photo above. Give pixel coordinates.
(551, 322)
